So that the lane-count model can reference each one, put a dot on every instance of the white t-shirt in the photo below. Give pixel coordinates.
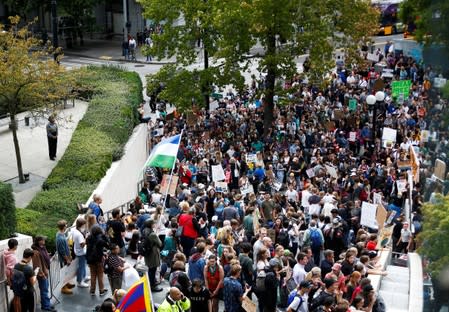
(295, 305)
(291, 195)
(78, 238)
(299, 273)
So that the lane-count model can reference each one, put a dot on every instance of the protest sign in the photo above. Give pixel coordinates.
(373, 57)
(277, 186)
(352, 136)
(368, 216)
(247, 189)
(377, 199)
(381, 216)
(400, 87)
(248, 305)
(218, 173)
(221, 187)
(439, 82)
(173, 184)
(332, 171)
(401, 185)
(440, 169)
(388, 136)
(384, 237)
(310, 172)
(352, 104)
(425, 136)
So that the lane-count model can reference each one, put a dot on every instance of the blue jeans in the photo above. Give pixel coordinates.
(81, 272)
(43, 287)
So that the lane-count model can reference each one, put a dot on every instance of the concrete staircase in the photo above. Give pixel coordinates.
(394, 289)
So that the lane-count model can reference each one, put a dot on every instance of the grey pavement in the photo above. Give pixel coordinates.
(34, 150)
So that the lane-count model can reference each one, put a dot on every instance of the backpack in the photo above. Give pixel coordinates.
(141, 247)
(18, 281)
(315, 239)
(107, 267)
(260, 281)
(293, 294)
(283, 238)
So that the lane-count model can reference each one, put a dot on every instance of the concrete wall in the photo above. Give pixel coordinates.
(119, 185)
(24, 242)
(384, 260)
(416, 295)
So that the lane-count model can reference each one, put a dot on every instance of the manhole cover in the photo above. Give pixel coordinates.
(139, 65)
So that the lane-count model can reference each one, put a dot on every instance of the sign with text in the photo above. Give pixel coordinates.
(173, 184)
(218, 173)
(388, 136)
(400, 87)
(440, 169)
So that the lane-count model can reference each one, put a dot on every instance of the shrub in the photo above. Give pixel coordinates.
(98, 140)
(7, 213)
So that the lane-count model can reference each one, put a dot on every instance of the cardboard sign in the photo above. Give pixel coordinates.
(381, 216)
(173, 184)
(221, 187)
(368, 215)
(248, 305)
(352, 104)
(379, 85)
(440, 169)
(400, 87)
(218, 173)
(338, 114)
(384, 237)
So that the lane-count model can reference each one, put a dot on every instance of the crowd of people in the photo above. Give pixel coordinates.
(284, 224)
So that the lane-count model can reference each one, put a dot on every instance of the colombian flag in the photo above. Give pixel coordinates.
(138, 298)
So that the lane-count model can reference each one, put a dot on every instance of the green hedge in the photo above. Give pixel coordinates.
(7, 214)
(97, 141)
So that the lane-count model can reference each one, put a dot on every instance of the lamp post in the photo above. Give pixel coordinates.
(54, 20)
(374, 101)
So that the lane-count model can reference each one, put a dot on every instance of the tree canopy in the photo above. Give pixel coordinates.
(29, 78)
(283, 29)
(434, 239)
(430, 18)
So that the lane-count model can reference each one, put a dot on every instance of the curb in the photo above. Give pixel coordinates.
(66, 53)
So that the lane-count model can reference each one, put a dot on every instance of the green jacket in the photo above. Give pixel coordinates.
(174, 306)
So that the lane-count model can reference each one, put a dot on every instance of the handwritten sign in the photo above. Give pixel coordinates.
(400, 87)
(218, 173)
(368, 215)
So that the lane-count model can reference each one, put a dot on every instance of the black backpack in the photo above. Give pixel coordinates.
(18, 281)
(283, 238)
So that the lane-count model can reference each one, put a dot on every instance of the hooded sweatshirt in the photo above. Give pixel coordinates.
(196, 266)
(9, 256)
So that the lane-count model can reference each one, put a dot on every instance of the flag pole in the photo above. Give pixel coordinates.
(172, 169)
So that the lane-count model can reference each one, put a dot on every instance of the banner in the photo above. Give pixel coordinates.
(218, 173)
(400, 87)
(368, 216)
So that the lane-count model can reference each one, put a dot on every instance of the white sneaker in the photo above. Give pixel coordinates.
(87, 279)
(83, 285)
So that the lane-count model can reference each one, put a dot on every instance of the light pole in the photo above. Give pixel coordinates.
(54, 20)
(373, 101)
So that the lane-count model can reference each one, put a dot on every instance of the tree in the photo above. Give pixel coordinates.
(434, 238)
(284, 29)
(29, 78)
(430, 18)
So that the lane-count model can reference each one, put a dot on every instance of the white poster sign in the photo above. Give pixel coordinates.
(247, 189)
(377, 199)
(332, 171)
(218, 173)
(221, 187)
(310, 172)
(352, 136)
(388, 136)
(372, 57)
(401, 185)
(368, 216)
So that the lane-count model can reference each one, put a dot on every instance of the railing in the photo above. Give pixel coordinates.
(4, 298)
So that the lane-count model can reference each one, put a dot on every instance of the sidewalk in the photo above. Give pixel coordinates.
(34, 150)
(108, 49)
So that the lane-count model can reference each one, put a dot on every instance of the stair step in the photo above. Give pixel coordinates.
(395, 286)
(394, 301)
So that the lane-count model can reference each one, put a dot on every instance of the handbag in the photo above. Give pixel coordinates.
(179, 231)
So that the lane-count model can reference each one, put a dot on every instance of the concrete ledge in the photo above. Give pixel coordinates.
(416, 299)
(385, 257)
